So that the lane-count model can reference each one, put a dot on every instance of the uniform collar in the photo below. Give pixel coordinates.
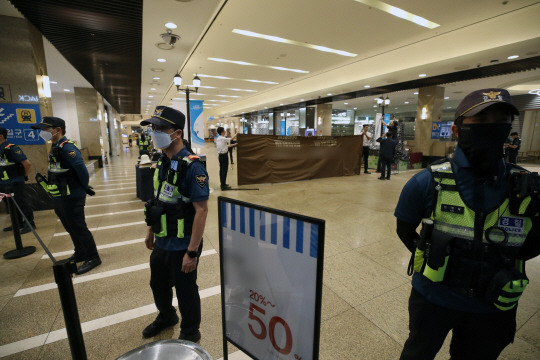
(182, 153)
(62, 139)
(460, 160)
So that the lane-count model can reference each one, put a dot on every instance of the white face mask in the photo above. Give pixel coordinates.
(161, 140)
(45, 135)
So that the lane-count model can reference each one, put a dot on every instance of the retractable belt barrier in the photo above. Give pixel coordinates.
(63, 271)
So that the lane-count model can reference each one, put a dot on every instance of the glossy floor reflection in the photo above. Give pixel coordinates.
(365, 286)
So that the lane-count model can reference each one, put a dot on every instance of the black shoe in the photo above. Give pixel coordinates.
(380, 178)
(387, 178)
(74, 258)
(88, 265)
(226, 187)
(193, 337)
(25, 229)
(157, 326)
(367, 172)
(9, 228)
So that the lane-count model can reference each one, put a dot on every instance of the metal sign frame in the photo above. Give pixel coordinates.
(316, 319)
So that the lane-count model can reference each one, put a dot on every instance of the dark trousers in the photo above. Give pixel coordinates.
(365, 155)
(166, 272)
(230, 154)
(223, 167)
(512, 157)
(386, 165)
(70, 211)
(17, 188)
(474, 336)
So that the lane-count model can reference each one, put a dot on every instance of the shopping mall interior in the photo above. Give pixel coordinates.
(281, 70)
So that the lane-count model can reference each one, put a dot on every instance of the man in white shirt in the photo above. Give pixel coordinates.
(365, 151)
(223, 144)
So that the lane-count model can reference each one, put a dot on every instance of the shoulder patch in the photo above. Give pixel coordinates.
(201, 180)
(71, 154)
(18, 152)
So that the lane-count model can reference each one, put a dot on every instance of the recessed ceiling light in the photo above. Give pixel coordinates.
(171, 25)
(53, 82)
(512, 57)
(406, 102)
(446, 97)
(280, 104)
(367, 86)
(161, 60)
(251, 64)
(150, 96)
(152, 88)
(329, 94)
(415, 93)
(229, 78)
(155, 78)
(301, 99)
(374, 105)
(157, 69)
(292, 42)
(66, 90)
(355, 108)
(400, 13)
(346, 103)
(422, 75)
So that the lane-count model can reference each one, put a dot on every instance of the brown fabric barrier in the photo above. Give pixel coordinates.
(275, 159)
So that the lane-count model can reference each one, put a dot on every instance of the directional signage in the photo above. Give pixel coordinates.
(17, 119)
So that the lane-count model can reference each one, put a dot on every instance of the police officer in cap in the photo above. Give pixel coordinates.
(176, 218)
(480, 222)
(14, 167)
(68, 185)
(144, 145)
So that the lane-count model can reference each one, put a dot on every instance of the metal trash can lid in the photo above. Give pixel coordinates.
(167, 349)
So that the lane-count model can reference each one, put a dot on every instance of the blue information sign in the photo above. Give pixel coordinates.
(17, 119)
(436, 130)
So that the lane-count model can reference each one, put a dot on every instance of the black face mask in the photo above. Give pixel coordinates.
(483, 144)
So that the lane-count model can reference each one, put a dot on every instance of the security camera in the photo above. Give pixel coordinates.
(169, 38)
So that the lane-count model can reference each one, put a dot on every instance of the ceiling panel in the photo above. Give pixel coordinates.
(100, 38)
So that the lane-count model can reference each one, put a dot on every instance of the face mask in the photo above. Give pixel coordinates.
(161, 140)
(45, 135)
(483, 145)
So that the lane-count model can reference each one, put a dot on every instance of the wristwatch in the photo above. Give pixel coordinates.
(192, 254)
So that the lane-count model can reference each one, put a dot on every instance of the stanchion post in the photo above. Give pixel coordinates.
(19, 251)
(62, 275)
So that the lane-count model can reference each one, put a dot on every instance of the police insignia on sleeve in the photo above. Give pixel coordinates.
(71, 154)
(18, 152)
(201, 180)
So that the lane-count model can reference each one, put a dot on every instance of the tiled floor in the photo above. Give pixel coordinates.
(365, 291)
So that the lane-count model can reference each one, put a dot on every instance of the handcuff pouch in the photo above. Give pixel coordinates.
(505, 288)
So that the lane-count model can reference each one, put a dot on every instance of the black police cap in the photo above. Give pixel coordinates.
(478, 100)
(166, 116)
(50, 121)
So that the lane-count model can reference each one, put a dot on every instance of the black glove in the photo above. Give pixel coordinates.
(90, 191)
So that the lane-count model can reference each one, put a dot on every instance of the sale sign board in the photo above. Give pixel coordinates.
(271, 280)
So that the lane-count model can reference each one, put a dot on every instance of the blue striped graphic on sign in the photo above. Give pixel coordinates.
(286, 231)
(273, 232)
(296, 231)
(233, 217)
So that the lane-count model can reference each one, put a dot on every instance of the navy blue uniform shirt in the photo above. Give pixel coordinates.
(71, 158)
(14, 154)
(388, 148)
(415, 203)
(190, 188)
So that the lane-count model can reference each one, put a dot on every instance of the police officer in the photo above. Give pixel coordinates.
(68, 185)
(512, 147)
(479, 224)
(14, 167)
(176, 218)
(144, 144)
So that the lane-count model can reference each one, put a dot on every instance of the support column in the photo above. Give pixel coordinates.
(89, 130)
(429, 110)
(324, 120)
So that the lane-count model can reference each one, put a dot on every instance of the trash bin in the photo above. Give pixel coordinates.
(168, 350)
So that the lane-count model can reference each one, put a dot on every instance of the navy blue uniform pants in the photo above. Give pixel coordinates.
(474, 336)
(166, 272)
(386, 166)
(17, 188)
(70, 211)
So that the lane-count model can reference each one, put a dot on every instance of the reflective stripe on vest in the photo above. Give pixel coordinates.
(169, 192)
